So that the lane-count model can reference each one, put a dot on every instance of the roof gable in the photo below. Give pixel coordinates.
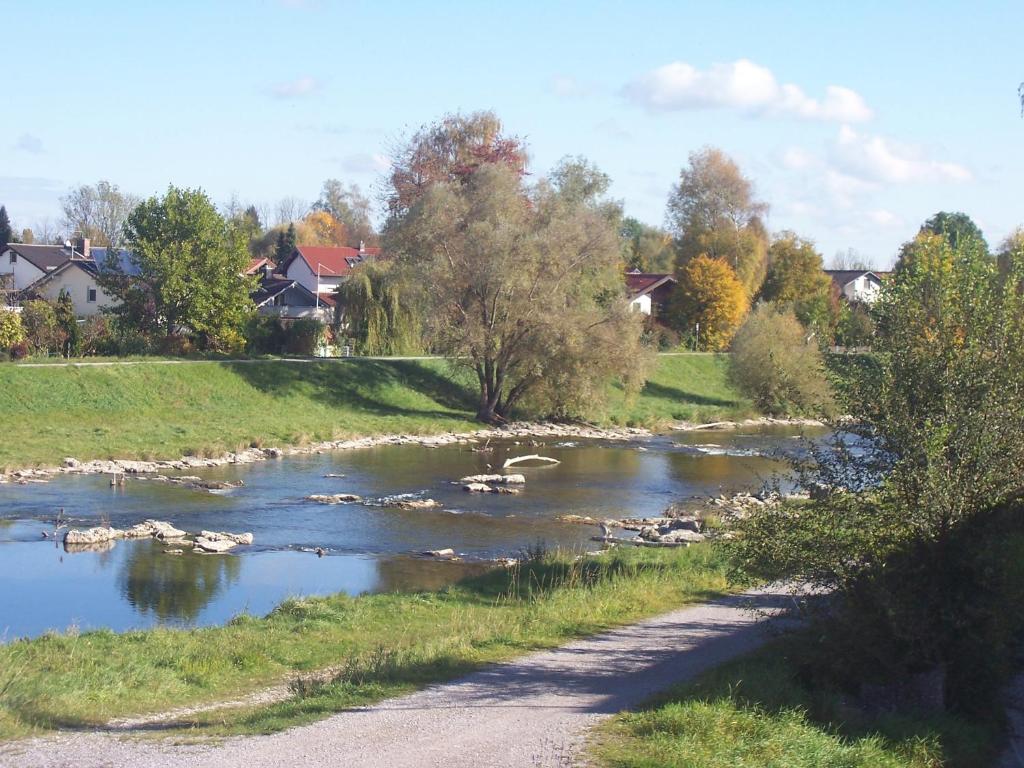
(88, 266)
(42, 257)
(641, 283)
(329, 261)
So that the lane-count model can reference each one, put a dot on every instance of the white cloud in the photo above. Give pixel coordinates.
(362, 162)
(882, 160)
(741, 85)
(294, 89)
(882, 217)
(29, 143)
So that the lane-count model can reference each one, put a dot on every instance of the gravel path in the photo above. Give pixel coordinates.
(534, 711)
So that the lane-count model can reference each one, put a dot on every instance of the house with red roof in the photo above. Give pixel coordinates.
(649, 292)
(321, 269)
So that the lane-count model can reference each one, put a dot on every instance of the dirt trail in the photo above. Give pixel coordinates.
(534, 711)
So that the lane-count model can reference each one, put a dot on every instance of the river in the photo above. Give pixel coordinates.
(369, 548)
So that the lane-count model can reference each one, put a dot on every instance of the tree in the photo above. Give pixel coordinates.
(28, 236)
(646, 248)
(290, 210)
(67, 323)
(190, 269)
(97, 212)
(11, 330)
(380, 311)
(795, 277)
(286, 241)
(774, 364)
(6, 234)
(450, 150)
(914, 506)
(712, 211)
(323, 229)
(349, 207)
(955, 227)
(850, 259)
(709, 302)
(522, 285)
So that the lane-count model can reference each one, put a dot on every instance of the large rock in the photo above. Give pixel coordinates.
(95, 535)
(499, 479)
(485, 488)
(156, 529)
(682, 535)
(333, 498)
(442, 554)
(237, 538)
(216, 546)
(412, 504)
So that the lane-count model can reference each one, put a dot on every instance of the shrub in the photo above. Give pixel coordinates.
(775, 364)
(12, 332)
(42, 331)
(303, 336)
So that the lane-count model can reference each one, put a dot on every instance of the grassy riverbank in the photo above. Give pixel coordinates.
(382, 645)
(153, 410)
(758, 711)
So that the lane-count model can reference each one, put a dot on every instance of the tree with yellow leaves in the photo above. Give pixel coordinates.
(321, 228)
(710, 303)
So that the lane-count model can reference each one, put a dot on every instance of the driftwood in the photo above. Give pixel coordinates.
(639, 542)
(532, 457)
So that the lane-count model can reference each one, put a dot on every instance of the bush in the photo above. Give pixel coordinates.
(42, 331)
(265, 336)
(303, 337)
(775, 365)
(12, 332)
(98, 337)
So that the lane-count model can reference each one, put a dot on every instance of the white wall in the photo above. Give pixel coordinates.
(25, 273)
(299, 271)
(862, 289)
(77, 282)
(641, 304)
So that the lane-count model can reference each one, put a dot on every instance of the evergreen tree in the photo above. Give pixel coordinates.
(68, 325)
(6, 234)
(286, 241)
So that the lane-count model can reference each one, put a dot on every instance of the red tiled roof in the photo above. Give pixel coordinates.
(333, 260)
(256, 265)
(328, 298)
(639, 283)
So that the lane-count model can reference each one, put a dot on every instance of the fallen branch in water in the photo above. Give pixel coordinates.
(532, 457)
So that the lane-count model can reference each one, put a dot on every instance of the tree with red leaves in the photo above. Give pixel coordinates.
(450, 150)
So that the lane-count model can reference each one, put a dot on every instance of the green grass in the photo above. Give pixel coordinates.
(204, 408)
(383, 644)
(756, 712)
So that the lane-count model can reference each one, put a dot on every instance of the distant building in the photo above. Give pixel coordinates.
(321, 269)
(648, 292)
(857, 285)
(44, 271)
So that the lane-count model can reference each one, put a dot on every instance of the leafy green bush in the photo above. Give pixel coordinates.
(11, 330)
(777, 366)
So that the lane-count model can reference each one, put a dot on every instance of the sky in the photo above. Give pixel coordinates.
(855, 121)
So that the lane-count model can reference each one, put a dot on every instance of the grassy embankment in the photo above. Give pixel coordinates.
(384, 644)
(166, 411)
(757, 711)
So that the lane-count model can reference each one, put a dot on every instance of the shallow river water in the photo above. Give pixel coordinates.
(369, 548)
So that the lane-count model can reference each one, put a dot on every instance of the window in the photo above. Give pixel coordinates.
(14, 257)
(90, 295)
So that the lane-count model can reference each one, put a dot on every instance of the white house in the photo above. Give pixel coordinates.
(648, 292)
(28, 263)
(78, 278)
(857, 285)
(321, 269)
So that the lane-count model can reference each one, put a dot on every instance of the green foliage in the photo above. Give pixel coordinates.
(11, 329)
(775, 365)
(42, 332)
(350, 207)
(517, 284)
(796, 278)
(902, 524)
(286, 242)
(380, 311)
(855, 327)
(6, 233)
(956, 227)
(67, 323)
(647, 248)
(190, 271)
(304, 336)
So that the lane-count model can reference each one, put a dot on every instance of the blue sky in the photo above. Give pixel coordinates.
(855, 122)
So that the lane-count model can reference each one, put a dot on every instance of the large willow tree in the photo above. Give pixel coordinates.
(522, 285)
(379, 311)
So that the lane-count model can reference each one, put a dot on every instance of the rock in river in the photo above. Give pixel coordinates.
(485, 488)
(95, 535)
(333, 498)
(499, 479)
(157, 529)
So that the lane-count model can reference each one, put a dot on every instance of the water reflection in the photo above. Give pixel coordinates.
(135, 584)
(174, 587)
